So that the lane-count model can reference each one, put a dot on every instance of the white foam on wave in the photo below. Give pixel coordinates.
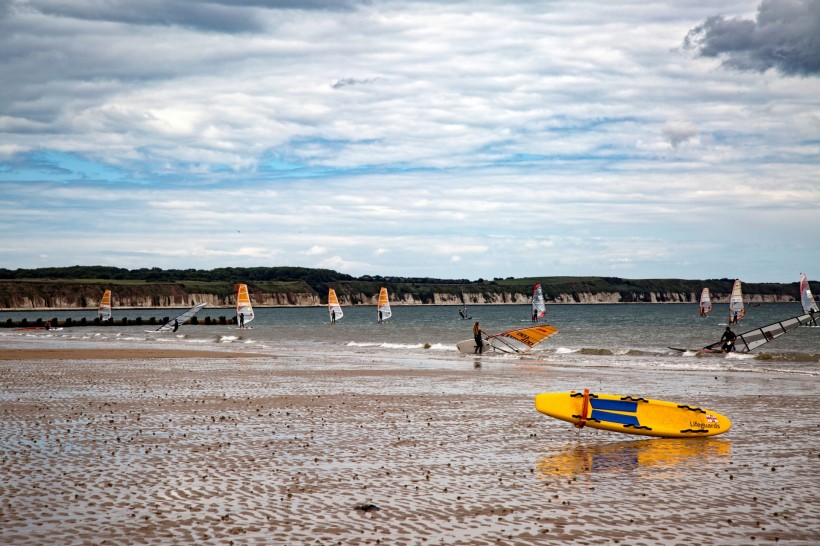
(565, 351)
(228, 339)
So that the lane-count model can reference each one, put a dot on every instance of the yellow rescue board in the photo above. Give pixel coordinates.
(631, 414)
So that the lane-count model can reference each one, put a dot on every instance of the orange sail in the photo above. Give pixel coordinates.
(522, 340)
(384, 306)
(244, 309)
(333, 307)
(104, 312)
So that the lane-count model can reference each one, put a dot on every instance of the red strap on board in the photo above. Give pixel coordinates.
(584, 410)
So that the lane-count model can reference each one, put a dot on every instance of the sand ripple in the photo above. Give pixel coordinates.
(263, 451)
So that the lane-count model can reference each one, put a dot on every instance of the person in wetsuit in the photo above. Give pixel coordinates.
(479, 342)
(728, 339)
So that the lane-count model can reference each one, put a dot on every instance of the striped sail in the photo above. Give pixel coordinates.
(181, 319)
(521, 340)
(243, 304)
(539, 307)
(748, 341)
(736, 308)
(806, 297)
(384, 305)
(333, 307)
(104, 312)
(705, 302)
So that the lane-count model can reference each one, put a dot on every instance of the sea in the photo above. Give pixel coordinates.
(623, 336)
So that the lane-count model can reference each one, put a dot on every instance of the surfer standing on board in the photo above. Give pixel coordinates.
(728, 339)
(479, 342)
(241, 320)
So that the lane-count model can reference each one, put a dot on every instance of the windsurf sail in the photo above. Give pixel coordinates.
(178, 321)
(521, 340)
(104, 312)
(244, 309)
(705, 302)
(736, 307)
(384, 306)
(333, 307)
(539, 307)
(806, 297)
(748, 341)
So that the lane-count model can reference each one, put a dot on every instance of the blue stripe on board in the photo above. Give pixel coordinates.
(613, 405)
(615, 418)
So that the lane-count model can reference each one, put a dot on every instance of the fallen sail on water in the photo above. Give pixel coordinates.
(181, 319)
(748, 341)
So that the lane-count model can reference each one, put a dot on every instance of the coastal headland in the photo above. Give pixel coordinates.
(82, 287)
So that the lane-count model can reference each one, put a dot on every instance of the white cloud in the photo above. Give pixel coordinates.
(447, 139)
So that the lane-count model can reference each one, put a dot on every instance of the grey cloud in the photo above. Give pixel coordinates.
(785, 36)
(344, 82)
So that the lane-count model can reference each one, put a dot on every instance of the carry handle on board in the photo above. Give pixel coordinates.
(584, 410)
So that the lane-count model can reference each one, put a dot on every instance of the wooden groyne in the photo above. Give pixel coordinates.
(124, 321)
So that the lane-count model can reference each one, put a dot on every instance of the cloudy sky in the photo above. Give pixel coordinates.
(441, 139)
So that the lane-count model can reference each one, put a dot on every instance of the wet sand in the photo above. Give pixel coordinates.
(113, 354)
(196, 450)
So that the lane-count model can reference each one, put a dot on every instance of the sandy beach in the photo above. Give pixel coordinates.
(208, 448)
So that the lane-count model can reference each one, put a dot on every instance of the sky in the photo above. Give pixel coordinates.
(445, 139)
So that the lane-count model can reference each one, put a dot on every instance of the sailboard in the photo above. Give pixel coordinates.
(178, 321)
(736, 308)
(705, 303)
(806, 297)
(333, 307)
(748, 341)
(539, 306)
(517, 341)
(631, 414)
(244, 309)
(383, 306)
(104, 312)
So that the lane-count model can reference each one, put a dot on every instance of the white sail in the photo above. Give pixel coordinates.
(539, 307)
(806, 297)
(244, 309)
(384, 306)
(753, 339)
(736, 307)
(178, 321)
(333, 307)
(104, 312)
(705, 302)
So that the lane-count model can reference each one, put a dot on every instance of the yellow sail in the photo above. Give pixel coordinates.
(104, 312)
(244, 309)
(522, 339)
(333, 307)
(384, 305)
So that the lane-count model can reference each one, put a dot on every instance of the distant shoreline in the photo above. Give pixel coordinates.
(393, 304)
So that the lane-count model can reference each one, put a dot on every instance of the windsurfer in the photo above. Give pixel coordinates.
(176, 325)
(728, 339)
(241, 320)
(333, 316)
(479, 342)
(462, 313)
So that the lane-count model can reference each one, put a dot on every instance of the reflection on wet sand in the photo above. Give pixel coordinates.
(663, 457)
